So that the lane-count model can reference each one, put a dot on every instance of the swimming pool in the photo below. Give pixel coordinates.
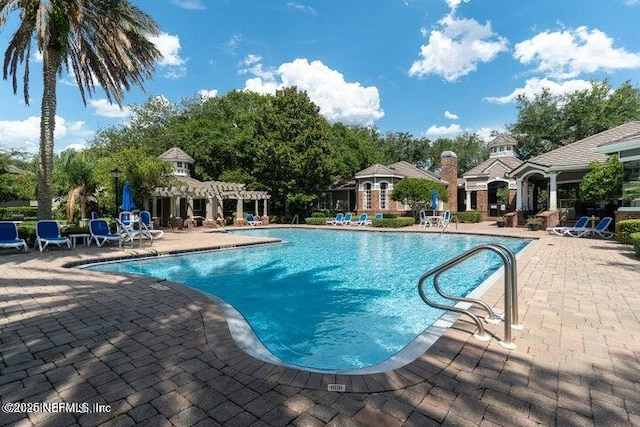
(328, 300)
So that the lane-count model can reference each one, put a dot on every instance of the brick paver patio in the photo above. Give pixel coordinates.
(159, 354)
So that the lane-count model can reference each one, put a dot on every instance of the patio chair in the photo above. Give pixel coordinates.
(445, 219)
(378, 216)
(48, 232)
(145, 218)
(600, 230)
(9, 237)
(424, 221)
(362, 220)
(580, 224)
(126, 218)
(100, 233)
(336, 220)
(346, 220)
(130, 234)
(253, 221)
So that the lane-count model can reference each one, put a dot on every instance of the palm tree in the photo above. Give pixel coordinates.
(75, 176)
(102, 42)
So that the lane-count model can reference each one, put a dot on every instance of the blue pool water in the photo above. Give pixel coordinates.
(326, 299)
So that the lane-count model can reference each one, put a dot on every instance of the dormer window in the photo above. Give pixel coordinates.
(179, 164)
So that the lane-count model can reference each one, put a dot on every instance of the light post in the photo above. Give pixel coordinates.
(116, 173)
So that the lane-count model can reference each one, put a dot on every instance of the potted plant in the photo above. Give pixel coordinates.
(534, 223)
(501, 222)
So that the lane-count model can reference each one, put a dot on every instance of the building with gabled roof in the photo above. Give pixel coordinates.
(481, 184)
(563, 168)
(190, 198)
(369, 190)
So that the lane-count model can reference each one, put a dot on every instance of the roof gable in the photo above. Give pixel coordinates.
(175, 154)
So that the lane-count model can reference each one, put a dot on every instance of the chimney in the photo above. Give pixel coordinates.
(449, 173)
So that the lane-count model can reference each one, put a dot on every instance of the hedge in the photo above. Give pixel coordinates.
(625, 228)
(316, 221)
(402, 221)
(468, 216)
(635, 241)
(27, 211)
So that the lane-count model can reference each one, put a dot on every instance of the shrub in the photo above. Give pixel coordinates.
(402, 221)
(315, 221)
(468, 216)
(318, 215)
(635, 241)
(27, 211)
(625, 228)
(27, 231)
(389, 216)
(74, 229)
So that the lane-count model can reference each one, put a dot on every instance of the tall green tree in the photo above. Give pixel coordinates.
(416, 193)
(603, 182)
(469, 147)
(550, 121)
(292, 154)
(104, 42)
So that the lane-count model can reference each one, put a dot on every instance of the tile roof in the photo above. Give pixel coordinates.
(580, 153)
(502, 139)
(377, 170)
(174, 154)
(509, 162)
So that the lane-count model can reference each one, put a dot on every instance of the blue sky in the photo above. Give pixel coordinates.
(428, 67)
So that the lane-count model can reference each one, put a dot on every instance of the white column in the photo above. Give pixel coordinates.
(189, 207)
(256, 212)
(210, 208)
(520, 194)
(468, 200)
(239, 209)
(176, 206)
(553, 191)
(264, 207)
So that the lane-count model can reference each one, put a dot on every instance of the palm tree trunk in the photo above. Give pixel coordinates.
(47, 127)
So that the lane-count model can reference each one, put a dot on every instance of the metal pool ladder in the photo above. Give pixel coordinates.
(510, 316)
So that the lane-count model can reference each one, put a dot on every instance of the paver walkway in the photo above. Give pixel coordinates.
(158, 354)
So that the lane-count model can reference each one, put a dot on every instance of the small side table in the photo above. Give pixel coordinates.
(85, 237)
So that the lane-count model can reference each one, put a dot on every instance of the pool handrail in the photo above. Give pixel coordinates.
(510, 292)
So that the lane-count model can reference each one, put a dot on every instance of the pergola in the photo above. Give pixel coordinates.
(214, 193)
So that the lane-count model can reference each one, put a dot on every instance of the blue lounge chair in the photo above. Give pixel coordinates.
(48, 232)
(600, 230)
(9, 237)
(252, 220)
(580, 224)
(362, 220)
(100, 233)
(145, 219)
(336, 220)
(126, 218)
(378, 216)
(346, 220)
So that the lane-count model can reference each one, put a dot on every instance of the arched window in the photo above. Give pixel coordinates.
(384, 195)
(367, 195)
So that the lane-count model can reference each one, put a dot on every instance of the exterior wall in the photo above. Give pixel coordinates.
(449, 173)
(513, 193)
(482, 202)
(627, 214)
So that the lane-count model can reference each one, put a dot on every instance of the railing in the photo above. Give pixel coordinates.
(510, 293)
(295, 219)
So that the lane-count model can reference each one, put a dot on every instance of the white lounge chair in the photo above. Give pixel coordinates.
(100, 233)
(600, 230)
(48, 232)
(346, 220)
(580, 224)
(424, 221)
(362, 220)
(253, 221)
(9, 237)
(145, 218)
(339, 217)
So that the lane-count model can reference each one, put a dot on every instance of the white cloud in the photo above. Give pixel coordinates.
(339, 100)
(231, 45)
(169, 47)
(189, 4)
(106, 109)
(442, 131)
(25, 134)
(453, 4)
(456, 49)
(535, 85)
(208, 93)
(485, 133)
(301, 8)
(569, 53)
(450, 115)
